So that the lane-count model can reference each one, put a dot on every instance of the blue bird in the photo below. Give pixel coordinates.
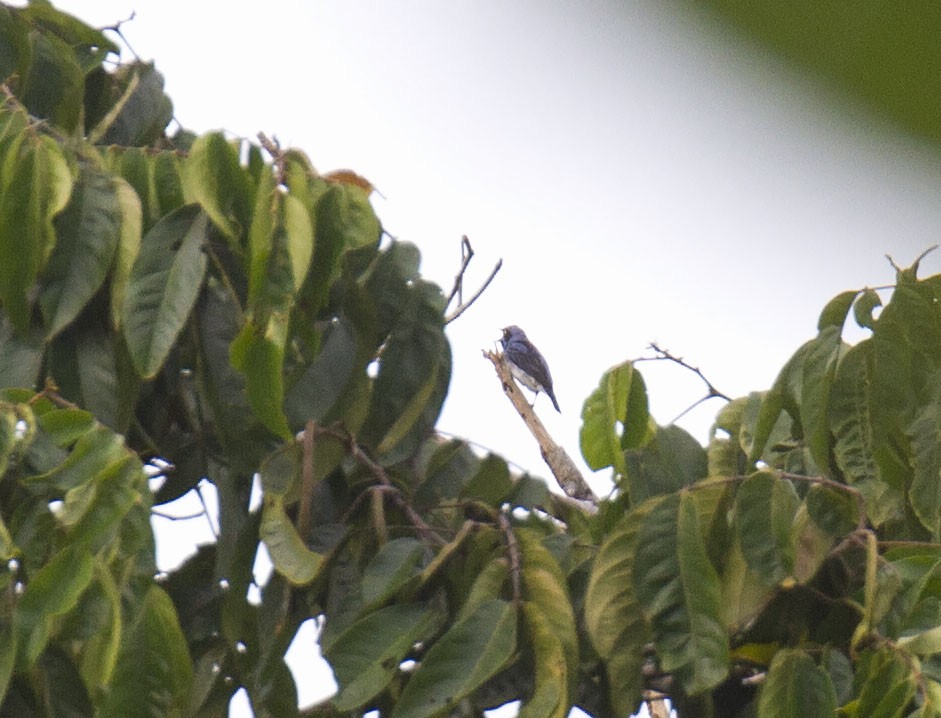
(527, 364)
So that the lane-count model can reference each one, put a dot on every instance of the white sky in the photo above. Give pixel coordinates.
(643, 176)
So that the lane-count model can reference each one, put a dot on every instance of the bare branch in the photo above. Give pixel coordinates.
(467, 253)
(383, 478)
(273, 148)
(917, 261)
(665, 355)
(116, 29)
(307, 480)
(564, 470)
(711, 391)
(183, 517)
(202, 501)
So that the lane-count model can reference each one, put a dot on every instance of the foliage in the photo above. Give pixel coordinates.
(879, 55)
(188, 307)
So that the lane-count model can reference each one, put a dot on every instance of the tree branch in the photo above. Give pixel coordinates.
(467, 253)
(307, 480)
(711, 391)
(273, 148)
(564, 470)
(383, 478)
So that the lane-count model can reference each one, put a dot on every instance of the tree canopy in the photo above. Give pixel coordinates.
(178, 309)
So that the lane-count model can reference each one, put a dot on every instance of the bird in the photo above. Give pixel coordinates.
(527, 364)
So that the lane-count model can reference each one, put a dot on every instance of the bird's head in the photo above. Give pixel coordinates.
(510, 333)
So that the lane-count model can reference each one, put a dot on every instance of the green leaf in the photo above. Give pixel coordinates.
(834, 314)
(318, 390)
(260, 244)
(8, 549)
(289, 554)
(549, 698)
(219, 320)
(491, 483)
(850, 420)
(610, 606)
(105, 383)
(281, 469)
(765, 507)
(366, 656)
(90, 45)
(163, 288)
(878, 58)
(8, 420)
(864, 306)
(94, 452)
(20, 355)
(487, 585)
(34, 186)
(99, 520)
(817, 373)
(924, 643)
(129, 240)
(166, 182)
(7, 658)
(395, 565)
(88, 233)
(141, 114)
(924, 432)
(884, 683)
(671, 460)
(298, 238)
(460, 661)
(834, 511)
(796, 687)
(529, 492)
(258, 352)
(154, 671)
(614, 418)
(54, 85)
(100, 653)
(51, 593)
(679, 590)
(344, 220)
(414, 373)
(213, 178)
(544, 589)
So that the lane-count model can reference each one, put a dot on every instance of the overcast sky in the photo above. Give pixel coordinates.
(644, 176)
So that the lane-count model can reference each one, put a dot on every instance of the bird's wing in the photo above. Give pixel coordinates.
(532, 362)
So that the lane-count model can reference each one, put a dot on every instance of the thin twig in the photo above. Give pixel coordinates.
(171, 517)
(711, 391)
(273, 148)
(51, 392)
(202, 500)
(307, 480)
(467, 253)
(820, 480)
(665, 355)
(836, 486)
(380, 474)
(917, 261)
(116, 29)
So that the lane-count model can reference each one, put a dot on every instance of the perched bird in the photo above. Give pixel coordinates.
(527, 364)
